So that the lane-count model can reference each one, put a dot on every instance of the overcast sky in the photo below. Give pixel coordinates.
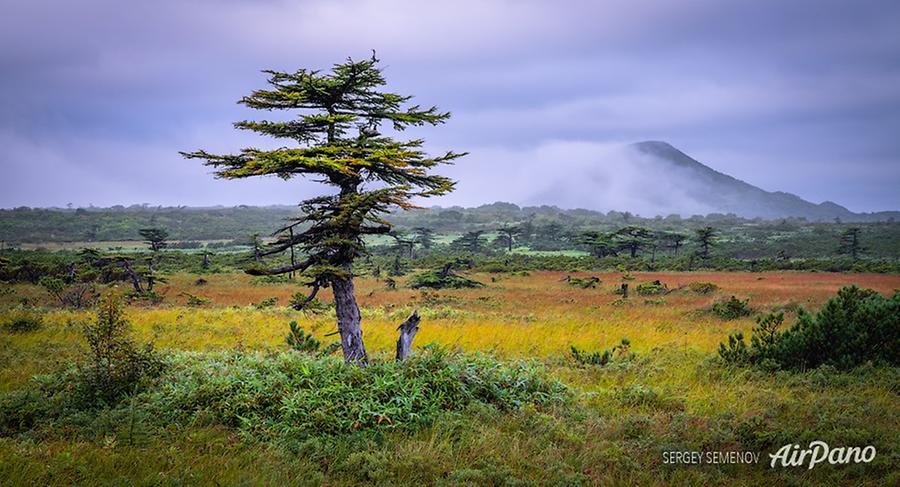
(98, 96)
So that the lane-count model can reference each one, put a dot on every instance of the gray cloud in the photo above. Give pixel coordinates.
(98, 96)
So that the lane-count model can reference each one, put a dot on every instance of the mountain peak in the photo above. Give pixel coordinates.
(725, 194)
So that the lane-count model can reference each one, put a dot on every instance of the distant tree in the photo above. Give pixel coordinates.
(472, 242)
(706, 238)
(674, 241)
(424, 236)
(850, 244)
(155, 238)
(336, 103)
(633, 239)
(406, 245)
(256, 246)
(508, 234)
(599, 244)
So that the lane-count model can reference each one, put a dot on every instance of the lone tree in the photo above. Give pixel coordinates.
(472, 242)
(674, 241)
(850, 243)
(706, 238)
(599, 244)
(338, 144)
(406, 246)
(155, 238)
(508, 235)
(424, 236)
(633, 238)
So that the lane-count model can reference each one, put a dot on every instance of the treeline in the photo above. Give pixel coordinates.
(35, 225)
(490, 228)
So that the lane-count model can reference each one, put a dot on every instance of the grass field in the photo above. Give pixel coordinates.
(671, 395)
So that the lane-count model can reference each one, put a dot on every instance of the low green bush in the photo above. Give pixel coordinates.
(437, 279)
(23, 321)
(293, 396)
(732, 308)
(114, 366)
(854, 327)
(651, 288)
(303, 342)
(703, 287)
(583, 357)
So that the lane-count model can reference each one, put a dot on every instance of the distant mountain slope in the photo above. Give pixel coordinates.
(722, 193)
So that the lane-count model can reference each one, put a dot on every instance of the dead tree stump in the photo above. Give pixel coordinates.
(408, 331)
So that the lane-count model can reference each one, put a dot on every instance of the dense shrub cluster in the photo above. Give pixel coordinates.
(856, 326)
(732, 308)
(292, 395)
(651, 288)
(440, 279)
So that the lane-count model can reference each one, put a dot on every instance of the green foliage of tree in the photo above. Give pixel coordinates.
(471, 242)
(508, 234)
(706, 238)
(155, 238)
(338, 143)
(633, 238)
(424, 236)
(599, 244)
(850, 244)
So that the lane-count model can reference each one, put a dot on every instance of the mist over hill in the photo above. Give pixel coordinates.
(654, 178)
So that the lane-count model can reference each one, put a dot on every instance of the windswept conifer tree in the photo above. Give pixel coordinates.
(337, 141)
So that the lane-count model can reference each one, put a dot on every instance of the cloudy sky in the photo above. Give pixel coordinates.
(98, 96)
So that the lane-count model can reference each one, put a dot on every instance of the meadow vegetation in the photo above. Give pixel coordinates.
(494, 393)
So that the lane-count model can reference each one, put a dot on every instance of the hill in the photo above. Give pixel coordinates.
(716, 192)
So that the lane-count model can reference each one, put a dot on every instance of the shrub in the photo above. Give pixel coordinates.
(115, 366)
(267, 303)
(651, 288)
(303, 342)
(193, 300)
(703, 287)
(583, 283)
(732, 308)
(149, 297)
(296, 396)
(856, 326)
(23, 321)
(437, 279)
(583, 357)
(70, 295)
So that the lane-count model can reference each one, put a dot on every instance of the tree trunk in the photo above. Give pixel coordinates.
(349, 321)
(408, 331)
